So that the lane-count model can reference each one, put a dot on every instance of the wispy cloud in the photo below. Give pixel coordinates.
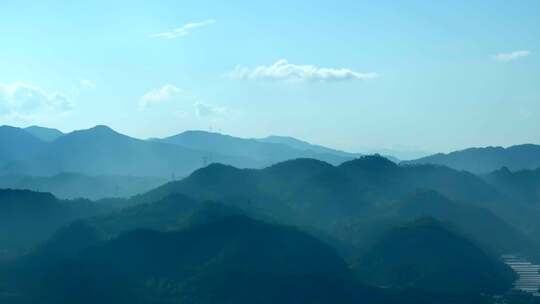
(159, 95)
(283, 70)
(25, 101)
(184, 30)
(512, 55)
(180, 102)
(87, 83)
(207, 110)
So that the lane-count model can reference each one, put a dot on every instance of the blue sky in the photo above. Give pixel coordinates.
(356, 75)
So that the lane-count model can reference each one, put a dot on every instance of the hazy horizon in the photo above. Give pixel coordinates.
(400, 152)
(350, 75)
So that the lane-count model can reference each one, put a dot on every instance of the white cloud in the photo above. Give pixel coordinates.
(87, 83)
(512, 56)
(283, 70)
(184, 103)
(184, 30)
(25, 101)
(159, 95)
(206, 110)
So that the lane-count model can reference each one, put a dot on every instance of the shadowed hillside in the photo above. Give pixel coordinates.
(28, 218)
(427, 256)
(231, 260)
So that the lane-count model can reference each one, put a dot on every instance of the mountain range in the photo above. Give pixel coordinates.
(488, 159)
(204, 252)
(26, 149)
(102, 151)
(369, 192)
(203, 217)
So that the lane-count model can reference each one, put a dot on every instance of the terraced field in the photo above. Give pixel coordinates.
(529, 276)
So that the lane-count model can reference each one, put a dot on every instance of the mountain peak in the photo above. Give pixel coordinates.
(375, 161)
(199, 132)
(100, 130)
(42, 133)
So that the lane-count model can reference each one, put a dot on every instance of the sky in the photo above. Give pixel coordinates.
(431, 76)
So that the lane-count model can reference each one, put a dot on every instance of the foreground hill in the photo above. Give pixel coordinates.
(75, 185)
(485, 160)
(231, 260)
(265, 152)
(171, 213)
(427, 256)
(207, 252)
(28, 218)
(102, 151)
(199, 253)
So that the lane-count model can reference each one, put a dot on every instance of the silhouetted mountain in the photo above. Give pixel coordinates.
(75, 185)
(102, 151)
(427, 256)
(237, 259)
(28, 218)
(44, 134)
(307, 183)
(521, 185)
(17, 144)
(485, 160)
(398, 153)
(318, 196)
(231, 260)
(260, 151)
(171, 213)
(304, 145)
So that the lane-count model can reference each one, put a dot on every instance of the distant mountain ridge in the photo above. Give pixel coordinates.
(488, 159)
(264, 151)
(44, 134)
(100, 150)
(103, 151)
(17, 144)
(304, 145)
